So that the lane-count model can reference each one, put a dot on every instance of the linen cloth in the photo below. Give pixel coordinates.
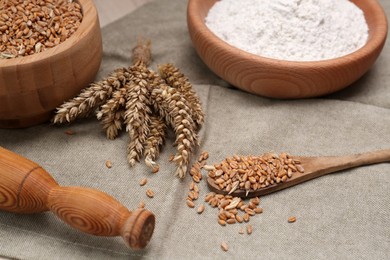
(339, 216)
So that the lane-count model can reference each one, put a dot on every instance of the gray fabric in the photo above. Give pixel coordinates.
(340, 216)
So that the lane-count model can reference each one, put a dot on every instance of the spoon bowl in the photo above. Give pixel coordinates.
(313, 167)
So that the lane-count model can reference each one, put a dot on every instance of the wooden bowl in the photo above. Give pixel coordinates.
(279, 78)
(31, 87)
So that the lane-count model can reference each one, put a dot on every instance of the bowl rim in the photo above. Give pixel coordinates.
(374, 40)
(90, 15)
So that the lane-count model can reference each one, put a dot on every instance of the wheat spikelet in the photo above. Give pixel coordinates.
(154, 140)
(176, 79)
(112, 112)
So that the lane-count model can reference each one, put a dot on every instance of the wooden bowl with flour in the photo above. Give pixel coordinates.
(32, 86)
(278, 78)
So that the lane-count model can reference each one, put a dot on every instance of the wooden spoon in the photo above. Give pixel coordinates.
(314, 167)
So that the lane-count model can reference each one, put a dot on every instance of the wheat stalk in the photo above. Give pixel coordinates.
(142, 53)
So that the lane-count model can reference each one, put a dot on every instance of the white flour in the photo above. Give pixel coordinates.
(297, 30)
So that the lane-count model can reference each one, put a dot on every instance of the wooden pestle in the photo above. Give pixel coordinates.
(25, 187)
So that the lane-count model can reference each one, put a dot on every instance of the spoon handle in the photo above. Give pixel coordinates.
(370, 158)
(330, 164)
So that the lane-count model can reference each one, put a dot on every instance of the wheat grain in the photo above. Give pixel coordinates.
(251, 173)
(69, 132)
(224, 246)
(292, 219)
(200, 209)
(249, 229)
(149, 193)
(108, 164)
(141, 204)
(143, 182)
(28, 27)
(190, 203)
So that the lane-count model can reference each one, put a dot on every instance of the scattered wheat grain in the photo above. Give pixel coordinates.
(149, 193)
(200, 209)
(69, 132)
(292, 219)
(190, 203)
(249, 229)
(143, 182)
(224, 246)
(108, 164)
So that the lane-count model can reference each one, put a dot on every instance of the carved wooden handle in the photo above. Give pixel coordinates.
(26, 188)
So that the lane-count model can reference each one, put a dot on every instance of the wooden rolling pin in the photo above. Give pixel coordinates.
(25, 187)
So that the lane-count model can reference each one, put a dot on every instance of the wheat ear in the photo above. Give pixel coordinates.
(176, 79)
(172, 106)
(154, 141)
(137, 115)
(90, 98)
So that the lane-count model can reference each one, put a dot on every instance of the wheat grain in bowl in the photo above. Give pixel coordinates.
(60, 58)
(285, 79)
(30, 26)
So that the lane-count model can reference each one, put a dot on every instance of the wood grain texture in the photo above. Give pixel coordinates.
(16, 174)
(314, 167)
(27, 188)
(32, 86)
(285, 79)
